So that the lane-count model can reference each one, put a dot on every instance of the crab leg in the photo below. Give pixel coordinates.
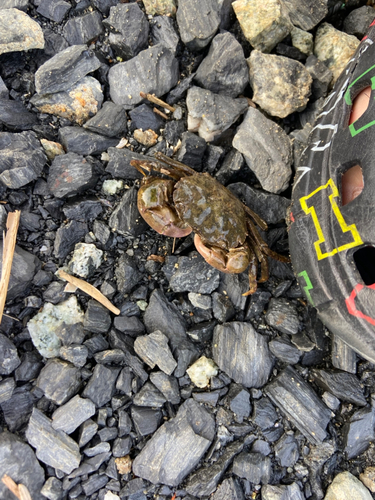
(263, 245)
(253, 269)
(264, 268)
(151, 165)
(177, 165)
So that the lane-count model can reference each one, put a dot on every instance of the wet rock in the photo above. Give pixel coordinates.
(54, 448)
(266, 149)
(72, 414)
(154, 71)
(160, 7)
(264, 24)
(269, 207)
(129, 29)
(59, 380)
(83, 29)
(15, 116)
(211, 114)
(67, 236)
(83, 142)
(6, 388)
(101, 386)
(242, 353)
(9, 359)
(19, 32)
(163, 32)
(110, 120)
(201, 371)
(359, 432)
(198, 21)
(77, 104)
(224, 70)
(18, 461)
(146, 420)
(283, 316)
(289, 77)
(254, 467)
(182, 278)
(72, 174)
(345, 485)
(334, 48)
(204, 482)
(296, 399)
(65, 69)
(167, 385)
(192, 428)
(54, 10)
(345, 386)
(126, 218)
(154, 350)
(357, 21)
(306, 15)
(44, 325)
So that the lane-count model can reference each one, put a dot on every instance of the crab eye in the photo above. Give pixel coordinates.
(364, 260)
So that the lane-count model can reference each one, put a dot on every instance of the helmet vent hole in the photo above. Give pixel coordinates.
(351, 184)
(364, 259)
(360, 104)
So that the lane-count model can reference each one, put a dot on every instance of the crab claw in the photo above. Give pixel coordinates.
(235, 260)
(156, 207)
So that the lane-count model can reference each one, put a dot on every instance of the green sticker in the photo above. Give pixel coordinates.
(308, 286)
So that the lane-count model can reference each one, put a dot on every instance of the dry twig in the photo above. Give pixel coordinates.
(155, 100)
(89, 289)
(9, 244)
(18, 490)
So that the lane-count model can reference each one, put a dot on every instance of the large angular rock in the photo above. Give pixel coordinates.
(19, 32)
(198, 22)
(176, 448)
(306, 14)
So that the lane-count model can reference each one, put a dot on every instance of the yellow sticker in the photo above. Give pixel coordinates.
(351, 230)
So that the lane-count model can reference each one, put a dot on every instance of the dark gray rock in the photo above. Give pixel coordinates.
(25, 266)
(124, 423)
(54, 448)
(144, 118)
(96, 450)
(6, 389)
(239, 402)
(52, 489)
(119, 163)
(134, 489)
(297, 400)
(18, 461)
(83, 142)
(270, 207)
(110, 120)
(91, 465)
(204, 482)
(163, 32)
(17, 4)
(222, 307)
(94, 483)
(192, 150)
(167, 385)
(321, 75)
(97, 318)
(359, 432)
(154, 71)
(283, 316)
(15, 116)
(18, 408)
(121, 341)
(180, 90)
(198, 21)
(129, 29)
(191, 274)
(211, 114)
(75, 354)
(54, 9)
(82, 210)
(59, 380)
(149, 396)
(306, 14)
(104, 5)
(224, 69)
(115, 356)
(281, 491)
(265, 415)
(343, 357)
(83, 29)
(67, 236)
(21, 158)
(192, 428)
(286, 451)
(229, 488)
(96, 343)
(126, 219)
(343, 385)
(127, 273)
(242, 353)
(154, 350)
(65, 69)
(101, 386)
(253, 466)
(86, 432)
(358, 20)
(285, 351)
(131, 325)
(258, 301)
(266, 149)
(4, 92)
(9, 359)
(72, 174)
(146, 420)
(72, 414)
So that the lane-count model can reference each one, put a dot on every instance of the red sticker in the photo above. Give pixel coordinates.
(350, 304)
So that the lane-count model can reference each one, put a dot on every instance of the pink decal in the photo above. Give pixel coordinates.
(352, 307)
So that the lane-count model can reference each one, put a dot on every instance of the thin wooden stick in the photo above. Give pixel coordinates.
(11, 485)
(155, 100)
(158, 112)
(9, 244)
(89, 289)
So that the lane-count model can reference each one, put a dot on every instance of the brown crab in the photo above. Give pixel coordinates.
(225, 232)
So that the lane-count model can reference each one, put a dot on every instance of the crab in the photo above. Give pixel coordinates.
(225, 228)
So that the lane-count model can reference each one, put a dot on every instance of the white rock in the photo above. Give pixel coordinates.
(346, 486)
(86, 258)
(201, 371)
(112, 186)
